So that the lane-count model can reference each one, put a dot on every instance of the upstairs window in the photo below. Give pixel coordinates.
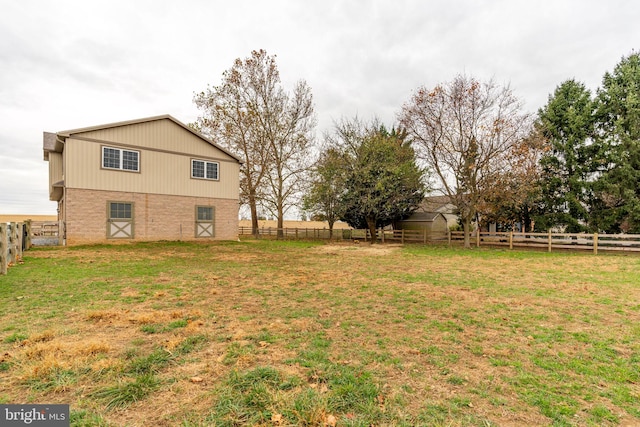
(204, 170)
(116, 158)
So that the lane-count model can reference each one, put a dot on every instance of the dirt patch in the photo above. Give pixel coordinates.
(358, 249)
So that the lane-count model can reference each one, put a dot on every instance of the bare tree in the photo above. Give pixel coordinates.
(287, 124)
(230, 117)
(250, 114)
(464, 130)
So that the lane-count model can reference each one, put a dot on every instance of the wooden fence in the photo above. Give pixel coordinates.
(44, 228)
(14, 238)
(556, 241)
(546, 241)
(401, 236)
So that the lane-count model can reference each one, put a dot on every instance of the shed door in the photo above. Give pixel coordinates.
(120, 221)
(205, 221)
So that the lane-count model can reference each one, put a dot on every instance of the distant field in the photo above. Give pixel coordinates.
(243, 223)
(22, 218)
(280, 333)
(295, 224)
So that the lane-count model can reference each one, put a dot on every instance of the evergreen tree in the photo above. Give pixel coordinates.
(616, 205)
(567, 123)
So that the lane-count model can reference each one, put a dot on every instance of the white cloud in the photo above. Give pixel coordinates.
(71, 63)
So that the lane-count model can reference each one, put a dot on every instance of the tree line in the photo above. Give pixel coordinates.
(574, 166)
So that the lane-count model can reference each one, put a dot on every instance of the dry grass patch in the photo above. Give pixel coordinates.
(103, 315)
(91, 348)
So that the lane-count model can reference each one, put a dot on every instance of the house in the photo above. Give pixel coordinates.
(141, 180)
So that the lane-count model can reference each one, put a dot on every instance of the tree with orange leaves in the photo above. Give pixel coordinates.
(465, 130)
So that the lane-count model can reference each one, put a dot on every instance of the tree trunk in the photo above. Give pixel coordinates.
(254, 215)
(526, 220)
(330, 229)
(371, 222)
(280, 221)
(466, 226)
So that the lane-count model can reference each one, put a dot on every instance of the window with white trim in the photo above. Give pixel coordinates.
(204, 170)
(116, 158)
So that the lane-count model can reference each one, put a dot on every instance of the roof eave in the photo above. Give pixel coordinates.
(51, 144)
(67, 133)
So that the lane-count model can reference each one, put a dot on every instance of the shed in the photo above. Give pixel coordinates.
(434, 222)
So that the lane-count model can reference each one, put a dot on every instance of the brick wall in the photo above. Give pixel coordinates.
(156, 216)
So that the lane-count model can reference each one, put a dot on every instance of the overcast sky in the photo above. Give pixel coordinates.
(69, 64)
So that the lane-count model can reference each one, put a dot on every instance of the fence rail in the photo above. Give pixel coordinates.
(549, 241)
(578, 241)
(16, 237)
(401, 236)
(44, 228)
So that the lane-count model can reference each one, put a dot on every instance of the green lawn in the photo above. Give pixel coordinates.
(304, 333)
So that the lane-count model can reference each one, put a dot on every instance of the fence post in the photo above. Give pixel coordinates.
(550, 240)
(27, 225)
(425, 236)
(12, 243)
(478, 237)
(4, 247)
(402, 237)
(595, 243)
(449, 237)
(382, 232)
(19, 239)
(511, 240)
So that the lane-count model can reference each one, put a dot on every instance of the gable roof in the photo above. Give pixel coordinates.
(50, 139)
(442, 204)
(424, 217)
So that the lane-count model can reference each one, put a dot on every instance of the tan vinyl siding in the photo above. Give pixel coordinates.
(55, 169)
(163, 135)
(161, 172)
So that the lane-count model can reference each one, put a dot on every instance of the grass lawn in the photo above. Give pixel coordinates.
(302, 333)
